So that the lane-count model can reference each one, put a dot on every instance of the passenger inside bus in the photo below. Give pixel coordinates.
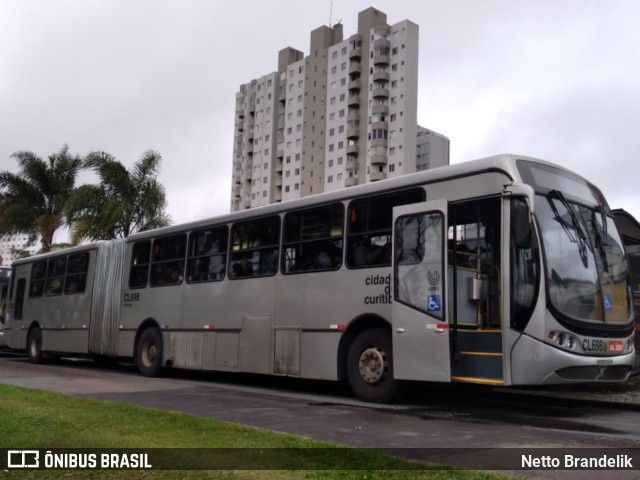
(366, 253)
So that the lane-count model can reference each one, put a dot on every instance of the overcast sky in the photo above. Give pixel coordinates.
(555, 79)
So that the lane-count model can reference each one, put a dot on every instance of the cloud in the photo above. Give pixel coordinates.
(552, 78)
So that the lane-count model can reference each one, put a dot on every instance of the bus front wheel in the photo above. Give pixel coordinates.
(34, 345)
(149, 352)
(370, 366)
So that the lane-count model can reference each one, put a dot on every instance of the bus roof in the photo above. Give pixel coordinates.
(504, 163)
(56, 253)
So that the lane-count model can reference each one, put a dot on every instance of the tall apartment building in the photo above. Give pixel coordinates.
(345, 114)
(432, 150)
(11, 246)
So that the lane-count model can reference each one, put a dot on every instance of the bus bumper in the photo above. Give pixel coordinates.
(549, 365)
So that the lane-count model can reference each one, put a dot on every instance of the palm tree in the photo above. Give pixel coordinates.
(32, 201)
(124, 202)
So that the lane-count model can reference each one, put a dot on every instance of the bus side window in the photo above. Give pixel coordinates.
(207, 255)
(254, 248)
(313, 239)
(56, 270)
(76, 280)
(369, 229)
(167, 260)
(38, 274)
(140, 259)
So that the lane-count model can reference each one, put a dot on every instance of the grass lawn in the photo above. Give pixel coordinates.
(38, 419)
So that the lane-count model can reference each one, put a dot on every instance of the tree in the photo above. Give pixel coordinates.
(33, 200)
(124, 202)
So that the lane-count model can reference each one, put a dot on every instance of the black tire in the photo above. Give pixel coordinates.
(370, 366)
(149, 352)
(34, 345)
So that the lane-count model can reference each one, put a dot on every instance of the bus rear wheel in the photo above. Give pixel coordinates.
(149, 352)
(34, 345)
(370, 366)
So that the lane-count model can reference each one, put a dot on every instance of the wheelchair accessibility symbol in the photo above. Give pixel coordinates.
(607, 302)
(433, 303)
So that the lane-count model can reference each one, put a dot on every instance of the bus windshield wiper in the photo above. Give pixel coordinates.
(580, 238)
(600, 238)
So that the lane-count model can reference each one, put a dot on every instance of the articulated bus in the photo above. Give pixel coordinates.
(502, 271)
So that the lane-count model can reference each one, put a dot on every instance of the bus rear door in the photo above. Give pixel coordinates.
(14, 323)
(421, 348)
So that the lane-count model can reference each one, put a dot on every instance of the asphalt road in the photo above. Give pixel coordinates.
(454, 418)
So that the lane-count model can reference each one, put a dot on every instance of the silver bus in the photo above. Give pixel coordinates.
(502, 271)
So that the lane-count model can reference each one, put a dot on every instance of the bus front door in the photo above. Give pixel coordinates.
(421, 348)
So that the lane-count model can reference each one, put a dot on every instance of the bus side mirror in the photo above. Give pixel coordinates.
(521, 225)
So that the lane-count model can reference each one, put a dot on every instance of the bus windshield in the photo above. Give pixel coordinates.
(587, 272)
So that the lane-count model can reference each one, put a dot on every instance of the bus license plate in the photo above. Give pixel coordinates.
(616, 346)
(600, 345)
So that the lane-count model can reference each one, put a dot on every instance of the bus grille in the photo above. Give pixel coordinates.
(611, 373)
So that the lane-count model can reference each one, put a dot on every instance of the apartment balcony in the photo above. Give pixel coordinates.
(355, 84)
(355, 54)
(353, 101)
(353, 114)
(353, 133)
(355, 67)
(280, 150)
(381, 59)
(380, 126)
(377, 176)
(237, 192)
(351, 182)
(383, 42)
(380, 92)
(380, 109)
(352, 150)
(379, 142)
(355, 51)
(381, 76)
(378, 160)
(352, 163)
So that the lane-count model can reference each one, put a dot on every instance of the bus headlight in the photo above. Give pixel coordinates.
(563, 339)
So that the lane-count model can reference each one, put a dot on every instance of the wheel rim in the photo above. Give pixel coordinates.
(373, 364)
(33, 347)
(149, 354)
